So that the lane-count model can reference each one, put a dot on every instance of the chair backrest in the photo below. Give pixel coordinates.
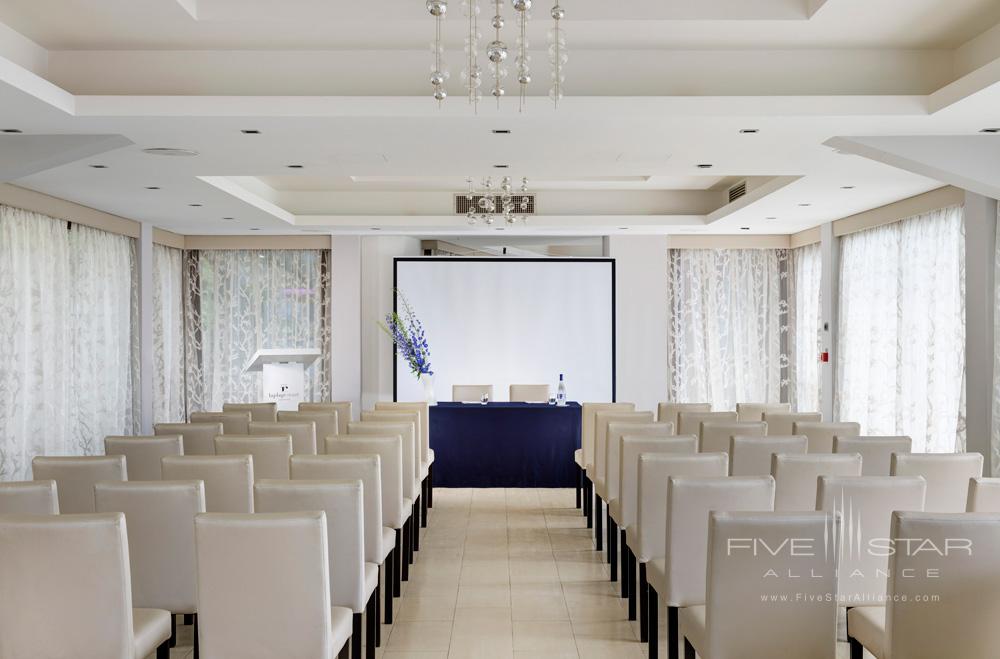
(613, 449)
(326, 423)
(947, 476)
(795, 476)
(984, 495)
(285, 606)
(530, 393)
(258, 411)
(142, 454)
(343, 408)
(303, 433)
(689, 502)
(389, 449)
(410, 416)
(751, 456)
(749, 616)
(953, 613)
(270, 454)
(821, 434)
(716, 435)
(471, 392)
(411, 466)
(364, 467)
(66, 590)
(601, 422)
(199, 438)
(75, 478)
(29, 498)
(342, 503)
(233, 423)
(865, 504)
(689, 423)
(588, 414)
(228, 479)
(783, 423)
(756, 411)
(651, 506)
(876, 452)
(159, 517)
(670, 412)
(423, 409)
(632, 447)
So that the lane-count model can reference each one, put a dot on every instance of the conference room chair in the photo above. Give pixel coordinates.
(343, 409)
(716, 435)
(529, 393)
(409, 416)
(142, 454)
(751, 455)
(258, 411)
(283, 609)
(471, 392)
(303, 433)
(756, 411)
(747, 617)
(159, 520)
(865, 504)
(655, 470)
(876, 452)
(29, 498)
(228, 479)
(66, 591)
(689, 423)
(795, 476)
(326, 423)
(628, 503)
(947, 476)
(952, 614)
(821, 434)
(351, 585)
(233, 423)
(679, 575)
(782, 424)
(75, 478)
(670, 412)
(426, 452)
(984, 495)
(270, 454)
(584, 456)
(197, 438)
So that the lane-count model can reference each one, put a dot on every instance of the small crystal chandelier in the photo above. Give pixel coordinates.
(472, 75)
(496, 51)
(439, 74)
(493, 202)
(523, 58)
(557, 53)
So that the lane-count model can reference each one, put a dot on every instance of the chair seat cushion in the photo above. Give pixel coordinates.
(341, 618)
(866, 624)
(578, 457)
(371, 579)
(423, 470)
(691, 620)
(388, 541)
(430, 456)
(656, 575)
(601, 487)
(151, 627)
(615, 510)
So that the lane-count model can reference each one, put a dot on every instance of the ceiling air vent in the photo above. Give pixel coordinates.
(737, 191)
(462, 204)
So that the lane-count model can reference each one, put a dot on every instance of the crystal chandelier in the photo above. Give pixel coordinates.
(492, 202)
(439, 75)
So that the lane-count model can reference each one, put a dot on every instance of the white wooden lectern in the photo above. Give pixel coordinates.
(284, 380)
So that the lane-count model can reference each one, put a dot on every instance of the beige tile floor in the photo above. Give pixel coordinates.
(506, 574)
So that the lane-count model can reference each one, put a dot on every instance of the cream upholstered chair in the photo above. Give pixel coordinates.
(233, 423)
(984, 495)
(326, 423)
(679, 577)
(821, 434)
(952, 614)
(751, 456)
(876, 452)
(599, 474)
(408, 416)
(756, 411)
(947, 476)
(689, 423)
(584, 456)
(29, 498)
(651, 512)
(783, 424)
(343, 408)
(258, 411)
(670, 412)
(66, 591)
(471, 392)
(75, 478)
(284, 610)
(351, 585)
(228, 479)
(866, 504)
(530, 393)
(798, 618)
(142, 454)
(270, 454)
(199, 438)
(159, 517)
(303, 433)
(426, 452)
(795, 476)
(716, 435)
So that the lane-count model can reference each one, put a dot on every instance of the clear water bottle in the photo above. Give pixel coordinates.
(561, 391)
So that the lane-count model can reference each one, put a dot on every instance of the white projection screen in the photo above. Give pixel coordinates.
(504, 321)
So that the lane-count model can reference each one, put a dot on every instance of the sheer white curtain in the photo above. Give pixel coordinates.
(804, 323)
(994, 466)
(168, 335)
(68, 352)
(901, 362)
(726, 320)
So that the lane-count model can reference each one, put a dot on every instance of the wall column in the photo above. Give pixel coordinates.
(830, 303)
(980, 246)
(145, 253)
(345, 319)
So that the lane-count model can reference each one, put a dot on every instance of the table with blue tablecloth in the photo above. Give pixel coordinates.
(504, 444)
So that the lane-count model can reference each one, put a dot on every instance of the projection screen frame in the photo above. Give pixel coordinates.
(513, 259)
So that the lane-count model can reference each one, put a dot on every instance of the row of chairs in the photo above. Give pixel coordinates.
(526, 393)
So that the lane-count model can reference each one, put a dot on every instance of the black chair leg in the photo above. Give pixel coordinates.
(857, 650)
(623, 559)
(424, 498)
(631, 584)
(356, 636)
(673, 642)
(390, 584)
(599, 524)
(588, 502)
(188, 619)
(643, 605)
(688, 650)
(430, 486)
(371, 624)
(653, 633)
(579, 487)
(173, 631)
(407, 546)
(417, 523)
(197, 642)
(613, 547)
(397, 565)
(378, 610)
(163, 651)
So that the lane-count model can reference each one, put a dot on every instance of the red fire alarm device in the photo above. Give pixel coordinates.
(824, 356)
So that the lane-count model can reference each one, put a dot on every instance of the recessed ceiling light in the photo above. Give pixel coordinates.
(98, 166)
(749, 131)
(984, 130)
(152, 187)
(501, 166)
(847, 187)
(376, 228)
(770, 218)
(744, 228)
(250, 131)
(254, 229)
(501, 131)
(804, 205)
(623, 228)
(163, 151)
(194, 205)
(11, 130)
(500, 228)
(229, 218)
(294, 166)
(704, 165)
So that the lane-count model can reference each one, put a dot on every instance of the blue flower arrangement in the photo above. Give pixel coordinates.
(407, 332)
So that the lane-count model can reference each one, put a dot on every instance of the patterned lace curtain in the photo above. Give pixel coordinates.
(804, 324)
(239, 301)
(69, 352)
(727, 317)
(168, 335)
(901, 363)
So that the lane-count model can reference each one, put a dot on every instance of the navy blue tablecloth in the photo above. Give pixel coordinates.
(504, 444)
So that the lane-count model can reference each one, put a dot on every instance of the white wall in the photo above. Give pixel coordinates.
(345, 312)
